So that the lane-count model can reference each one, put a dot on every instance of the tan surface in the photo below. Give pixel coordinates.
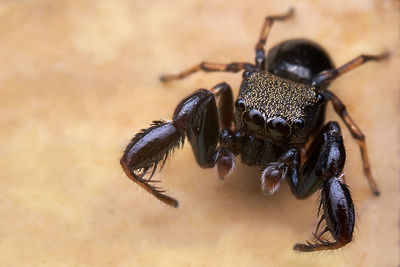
(79, 78)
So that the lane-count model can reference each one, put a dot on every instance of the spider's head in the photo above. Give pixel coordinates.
(274, 108)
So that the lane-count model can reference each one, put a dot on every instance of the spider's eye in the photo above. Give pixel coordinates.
(239, 104)
(278, 127)
(320, 98)
(299, 123)
(253, 119)
(246, 73)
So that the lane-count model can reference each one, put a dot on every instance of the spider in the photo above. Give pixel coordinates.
(276, 124)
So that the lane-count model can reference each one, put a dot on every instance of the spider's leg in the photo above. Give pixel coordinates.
(197, 118)
(154, 144)
(208, 67)
(262, 40)
(329, 75)
(357, 134)
(323, 170)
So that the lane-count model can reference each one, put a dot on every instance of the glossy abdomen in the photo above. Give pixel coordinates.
(298, 60)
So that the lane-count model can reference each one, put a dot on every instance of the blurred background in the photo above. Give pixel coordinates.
(79, 78)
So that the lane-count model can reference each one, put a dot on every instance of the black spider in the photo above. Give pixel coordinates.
(277, 124)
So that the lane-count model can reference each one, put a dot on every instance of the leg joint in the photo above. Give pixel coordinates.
(360, 137)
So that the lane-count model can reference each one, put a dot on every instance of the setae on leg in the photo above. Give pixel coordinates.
(322, 170)
(151, 146)
(197, 118)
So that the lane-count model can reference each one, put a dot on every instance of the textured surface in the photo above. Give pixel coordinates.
(79, 78)
(275, 97)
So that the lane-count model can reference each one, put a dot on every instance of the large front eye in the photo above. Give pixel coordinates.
(278, 127)
(253, 119)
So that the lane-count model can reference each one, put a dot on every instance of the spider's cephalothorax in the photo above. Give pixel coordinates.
(274, 108)
(276, 123)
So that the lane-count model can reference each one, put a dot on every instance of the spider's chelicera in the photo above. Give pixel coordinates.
(276, 123)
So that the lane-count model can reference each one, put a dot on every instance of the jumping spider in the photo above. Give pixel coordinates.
(276, 123)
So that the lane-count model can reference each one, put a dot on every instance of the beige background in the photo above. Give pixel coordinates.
(79, 78)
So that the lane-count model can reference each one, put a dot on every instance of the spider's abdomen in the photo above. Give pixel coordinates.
(298, 60)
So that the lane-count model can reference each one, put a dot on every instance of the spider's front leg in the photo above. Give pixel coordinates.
(196, 117)
(322, 170)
